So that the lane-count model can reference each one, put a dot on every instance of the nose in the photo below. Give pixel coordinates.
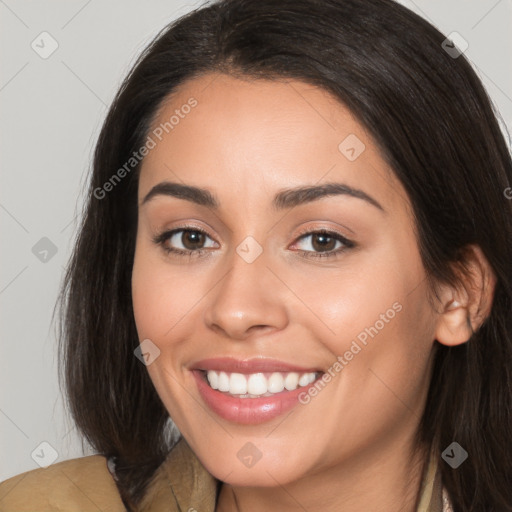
(248, 300)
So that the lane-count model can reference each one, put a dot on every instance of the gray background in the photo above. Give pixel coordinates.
(51, 112)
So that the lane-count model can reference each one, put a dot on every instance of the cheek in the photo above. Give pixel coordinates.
(162, 295)
(163, 301)
(381, 337)
(374, 313)
(338, 304)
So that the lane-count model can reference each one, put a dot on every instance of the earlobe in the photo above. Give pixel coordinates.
(465, 309)
(454, 326)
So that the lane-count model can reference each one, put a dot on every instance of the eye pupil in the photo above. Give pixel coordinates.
(192, 239)
(323, 242)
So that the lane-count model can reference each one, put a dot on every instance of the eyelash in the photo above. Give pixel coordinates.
(162, 238)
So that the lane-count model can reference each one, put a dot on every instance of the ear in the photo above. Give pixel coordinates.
(465, 308)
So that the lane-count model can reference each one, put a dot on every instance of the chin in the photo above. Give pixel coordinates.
(237, 469)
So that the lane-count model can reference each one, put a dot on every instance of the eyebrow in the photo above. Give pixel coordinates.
(288, 198)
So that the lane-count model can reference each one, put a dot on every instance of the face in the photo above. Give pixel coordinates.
(256, 283)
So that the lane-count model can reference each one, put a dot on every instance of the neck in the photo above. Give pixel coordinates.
(387, 480)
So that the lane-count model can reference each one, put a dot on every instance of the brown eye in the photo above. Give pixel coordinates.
(192, 239)
(323, 242)
(319, 241)
(181, 241)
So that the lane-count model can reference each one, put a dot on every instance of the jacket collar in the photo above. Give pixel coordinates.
(182, 484)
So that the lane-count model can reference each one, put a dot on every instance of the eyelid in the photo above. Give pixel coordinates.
(328, 231)
(330, 255)
(316, 229)
(160, 239)
(166, 233)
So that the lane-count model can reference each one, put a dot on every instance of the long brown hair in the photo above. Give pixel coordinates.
(435, 125)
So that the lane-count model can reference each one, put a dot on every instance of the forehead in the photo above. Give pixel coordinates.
(252, 135)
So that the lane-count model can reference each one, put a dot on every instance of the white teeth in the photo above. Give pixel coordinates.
(291, 381)
(303, 381)
(255, 385)
(276, 383)
(223, 381)
(213, 379)
(237, 384)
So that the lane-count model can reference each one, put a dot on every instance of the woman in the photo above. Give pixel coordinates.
(296, 247)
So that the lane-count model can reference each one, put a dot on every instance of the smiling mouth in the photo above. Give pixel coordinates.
(257, 385)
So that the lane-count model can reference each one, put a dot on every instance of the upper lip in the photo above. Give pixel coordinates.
(255, 365)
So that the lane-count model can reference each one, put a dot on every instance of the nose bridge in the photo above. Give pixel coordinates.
(247, 297)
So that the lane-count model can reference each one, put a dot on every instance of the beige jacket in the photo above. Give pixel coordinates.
(181, 484)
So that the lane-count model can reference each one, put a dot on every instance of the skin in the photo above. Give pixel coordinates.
(352, 447)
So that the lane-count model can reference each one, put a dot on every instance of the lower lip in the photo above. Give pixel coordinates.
(248, 411)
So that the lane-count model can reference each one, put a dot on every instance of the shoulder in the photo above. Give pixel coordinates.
(181, 483)
(81, 484)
